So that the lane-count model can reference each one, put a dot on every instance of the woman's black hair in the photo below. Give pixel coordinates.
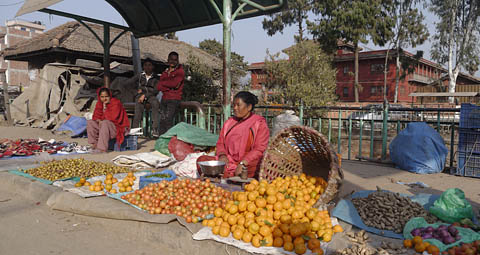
(104, 90)
(248, 98)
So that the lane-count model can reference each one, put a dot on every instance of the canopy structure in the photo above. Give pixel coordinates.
(154, 17)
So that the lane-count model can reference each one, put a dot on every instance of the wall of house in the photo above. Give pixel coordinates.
(371, 80)
(18, 72)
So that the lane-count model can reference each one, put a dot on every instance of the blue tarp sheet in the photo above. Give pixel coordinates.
(419, 149)
(346, 211)
(77, 125)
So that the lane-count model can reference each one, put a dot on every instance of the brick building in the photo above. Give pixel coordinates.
(371, 76)
(15, 31)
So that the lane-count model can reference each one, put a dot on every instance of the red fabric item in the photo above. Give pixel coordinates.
(202, 159)
(171, 84)
(179, 149)
(233, 142)
(115, 113)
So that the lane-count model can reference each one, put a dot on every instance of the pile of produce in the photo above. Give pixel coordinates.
(124, 185)
(465, 249)
(193, 200)
(164, 175)
(420, 246)
(445, 234)
(27, 147)
(389, 211)
(278, 214)
(79, 167)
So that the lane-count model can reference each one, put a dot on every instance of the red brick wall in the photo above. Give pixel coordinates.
(21, 65)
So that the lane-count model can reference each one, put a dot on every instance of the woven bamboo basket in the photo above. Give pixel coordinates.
(300, 149)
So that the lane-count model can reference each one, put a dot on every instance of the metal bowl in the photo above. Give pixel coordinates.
(212, 168)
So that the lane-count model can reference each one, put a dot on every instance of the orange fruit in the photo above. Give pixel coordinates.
(233, 209)
(318, 251)
(268, 241)
(253, 228)
(286, 219)
(242, 206)
(337, 229)
(238, 234)
(407, 243)
(300, 249)
(432, 249)
(260, 202)
(287, 203)
(288, 246)
(265, 231)
(278, 242)
(251, 207)
(277, 232)
(241, 220)
(252, 195)
(420, 248)
(277, 206)
(247, 236)
(287, 238)
(298, 240)
(313, 243)
(256, 240)
(241, 196)
(224, 231)
(417, 240)
(232, 220)
(216, 230)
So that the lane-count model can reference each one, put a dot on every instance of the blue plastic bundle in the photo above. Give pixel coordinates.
(145, 180)
(419, 149)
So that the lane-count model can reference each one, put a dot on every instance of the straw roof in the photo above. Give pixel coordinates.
(74, 37)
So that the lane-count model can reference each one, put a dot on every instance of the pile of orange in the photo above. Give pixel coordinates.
(124, 185)
(420, 246)
(278, 214)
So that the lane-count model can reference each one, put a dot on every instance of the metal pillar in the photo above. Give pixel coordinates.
(137, 65)
(227, 75)
(106, 55)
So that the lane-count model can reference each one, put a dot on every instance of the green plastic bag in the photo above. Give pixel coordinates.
(452, 206)
(466, 234)
(187, 133)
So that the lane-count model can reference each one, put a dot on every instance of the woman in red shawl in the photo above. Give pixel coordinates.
(243, 138)
(109, 121)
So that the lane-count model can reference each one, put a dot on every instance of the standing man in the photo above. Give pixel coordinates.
(147, 93)
(171, 85)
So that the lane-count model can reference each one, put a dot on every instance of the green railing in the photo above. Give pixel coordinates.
(349, 129)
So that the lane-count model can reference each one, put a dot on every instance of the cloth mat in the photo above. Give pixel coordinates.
(21, 173)
(144, 160)
(206, 234)
(84, 191)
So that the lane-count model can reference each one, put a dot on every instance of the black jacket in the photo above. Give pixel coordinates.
(148, 88)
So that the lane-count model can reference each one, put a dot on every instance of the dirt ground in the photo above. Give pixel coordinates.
(33, 228)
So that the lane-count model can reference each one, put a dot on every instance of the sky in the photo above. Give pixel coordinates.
(248, 37)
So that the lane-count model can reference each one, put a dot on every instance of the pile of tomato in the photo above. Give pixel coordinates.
(191, 199)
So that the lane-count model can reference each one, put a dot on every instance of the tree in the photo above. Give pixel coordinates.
(352, 21)
(456, 40)
(203, 85)
(409, 30)
(295, 14)
(239, 66)
(171, 36)
(307, 75)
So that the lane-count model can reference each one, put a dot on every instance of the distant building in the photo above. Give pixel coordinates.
(371, 77)
(15, 31)
(427, 77)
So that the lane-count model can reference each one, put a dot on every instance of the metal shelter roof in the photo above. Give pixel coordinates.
(444, 94)
(153, 17)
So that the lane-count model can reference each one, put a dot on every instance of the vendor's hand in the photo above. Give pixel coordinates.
(139, 91)
(223, 158)
(141, 99)
(239, 169)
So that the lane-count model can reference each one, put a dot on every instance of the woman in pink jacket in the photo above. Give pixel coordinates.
(243, 138)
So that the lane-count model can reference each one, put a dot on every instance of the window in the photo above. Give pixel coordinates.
(376, 90)
(23, 29)
(345, 92)
(345, 69)
(377, 68)
(402, 91)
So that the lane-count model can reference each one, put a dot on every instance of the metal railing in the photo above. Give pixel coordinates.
(357, 132)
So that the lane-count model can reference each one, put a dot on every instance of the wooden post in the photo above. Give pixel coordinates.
(6, 97)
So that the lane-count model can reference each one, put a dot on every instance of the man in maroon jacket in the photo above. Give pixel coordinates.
(171, 85)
